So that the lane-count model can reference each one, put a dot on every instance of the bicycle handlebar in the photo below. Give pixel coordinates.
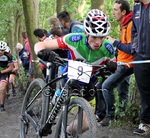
(50, 56)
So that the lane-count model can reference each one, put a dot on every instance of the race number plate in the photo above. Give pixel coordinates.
(79, 71)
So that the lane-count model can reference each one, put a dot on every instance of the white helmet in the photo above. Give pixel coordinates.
(8, 49)
(3, 45)
(96, 23)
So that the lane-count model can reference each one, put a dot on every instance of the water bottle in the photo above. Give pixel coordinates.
(56, 95)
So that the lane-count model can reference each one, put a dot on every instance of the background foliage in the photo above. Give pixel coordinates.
(12, 9)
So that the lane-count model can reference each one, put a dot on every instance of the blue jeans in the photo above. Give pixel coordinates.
(100, 110)
(123, 90)
(112, 82)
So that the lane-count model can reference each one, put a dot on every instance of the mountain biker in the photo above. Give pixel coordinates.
(6, 66)
(91, 46)
(12, 74)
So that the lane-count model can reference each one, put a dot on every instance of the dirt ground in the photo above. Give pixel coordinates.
(9, 123)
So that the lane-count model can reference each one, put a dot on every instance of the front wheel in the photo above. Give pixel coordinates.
(34, 109)
(81, 122)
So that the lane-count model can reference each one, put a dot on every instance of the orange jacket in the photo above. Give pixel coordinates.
(125, 38)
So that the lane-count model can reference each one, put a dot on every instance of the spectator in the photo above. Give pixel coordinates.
(120, 78)
(68, 23)
(24, 57)
(65, 19)
(57, 32)
(28, 49)
(40, 34)
(46, 33)
(27, 45)
(54, 22)
(6, 66)
(141, 51)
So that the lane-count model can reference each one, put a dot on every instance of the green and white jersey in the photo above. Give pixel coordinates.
(77, 44)
(14, 58)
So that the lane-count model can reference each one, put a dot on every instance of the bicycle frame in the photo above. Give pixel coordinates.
(62, 101)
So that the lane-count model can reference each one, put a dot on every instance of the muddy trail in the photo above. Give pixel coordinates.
(9, 122)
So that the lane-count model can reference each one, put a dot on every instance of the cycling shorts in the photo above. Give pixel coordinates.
(4, 77)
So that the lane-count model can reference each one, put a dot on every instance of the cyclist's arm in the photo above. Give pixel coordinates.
(15, 62)
(8, 69)
(16, 66)
(51, 45)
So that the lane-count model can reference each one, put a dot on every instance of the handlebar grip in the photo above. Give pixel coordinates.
(47, 55)
(39, 54)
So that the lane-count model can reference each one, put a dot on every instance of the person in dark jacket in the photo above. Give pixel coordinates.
(24, 57)
(140, 48)
(141, 51)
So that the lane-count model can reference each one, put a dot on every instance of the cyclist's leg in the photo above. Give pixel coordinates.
(3, 86)
(71, 128)
(12, 83)
(83, 119)
(85, 126)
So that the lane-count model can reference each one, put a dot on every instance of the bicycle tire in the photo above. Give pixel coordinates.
(85, 106)
(38, 110)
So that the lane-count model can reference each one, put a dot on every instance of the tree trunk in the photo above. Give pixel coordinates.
(97, 4)
(30, 8)
(59, 6)
(65, 4)
(81, 8)
(11, 38)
